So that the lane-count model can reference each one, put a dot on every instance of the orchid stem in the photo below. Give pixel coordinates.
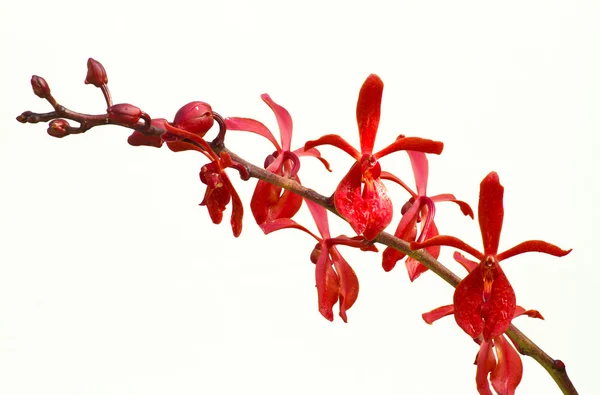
(526, 346)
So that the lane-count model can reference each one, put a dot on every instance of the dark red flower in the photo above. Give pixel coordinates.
(335, 279)
(219, 189)
(361, 198)
(96, 74)
(269, 202)
(419, 209)
(503, 370)
(484, 301)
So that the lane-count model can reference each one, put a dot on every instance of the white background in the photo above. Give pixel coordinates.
(114, 281)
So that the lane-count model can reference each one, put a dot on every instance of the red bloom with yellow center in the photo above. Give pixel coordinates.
(361, 198)
(484, 301)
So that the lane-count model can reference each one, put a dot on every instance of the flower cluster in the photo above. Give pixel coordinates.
(484, 302)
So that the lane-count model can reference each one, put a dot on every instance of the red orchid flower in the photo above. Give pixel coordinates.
(335, 279)
(361, 198)
(503, 370)
(419, 208)
(484, 301)
(220, 190)
(268, 202)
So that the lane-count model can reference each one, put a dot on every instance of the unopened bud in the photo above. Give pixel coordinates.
(124, 113)
(195, 117)
(58, 128)
(40, 87)
(96, 75)
(138, 138)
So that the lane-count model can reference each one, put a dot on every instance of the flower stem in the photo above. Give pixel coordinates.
(526, 346)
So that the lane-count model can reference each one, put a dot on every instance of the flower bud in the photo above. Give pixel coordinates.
(138, 138)
(124, 113)
(58, 128)
(96, 75)
(195, 117)
(40, 87)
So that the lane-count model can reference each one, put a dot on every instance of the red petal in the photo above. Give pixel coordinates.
(438, 313)
(368, 110)
(491, 212)
(284, 120)
(183, 134)
(416, 268)
(508, 372)
(447, 197)
(216, 201)
(449, 241)
(475, 316)
(356, 242)
(485, 364)
(420, 166)
(533, 246)
(427, 211)
(519, 311)
(336, 141)
(348, 282)
(251, 125)
(499, 311)
(237, 208)
(285, 223)
(314, 153)
(389, 176)
(237, 213)
(369, 211)
(319, 215)
(412, 144)
(466, 263)
(269, 203)
(407, 231)
(327, 284)
(180, 145)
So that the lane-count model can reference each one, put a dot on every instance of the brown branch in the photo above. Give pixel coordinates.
(556, 368)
